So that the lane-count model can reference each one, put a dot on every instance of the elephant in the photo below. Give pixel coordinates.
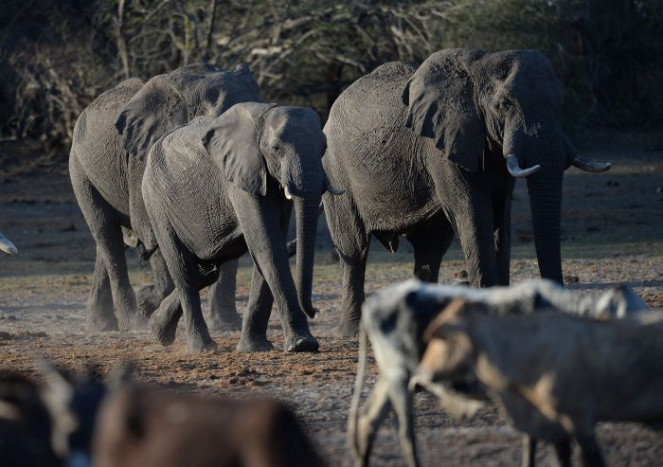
(214, 189)
(7, 246)
(425, 153)
(111, 140)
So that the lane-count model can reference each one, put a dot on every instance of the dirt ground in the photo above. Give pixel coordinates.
(612, 233)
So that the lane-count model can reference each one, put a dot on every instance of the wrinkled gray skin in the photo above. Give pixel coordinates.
(239, 169)
(422, 154)
(106, 164)
(395, 318)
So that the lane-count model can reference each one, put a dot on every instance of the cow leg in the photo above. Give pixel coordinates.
(529, 451)
(401, 401)
(563, 452)
(591, 453)
(376, 409)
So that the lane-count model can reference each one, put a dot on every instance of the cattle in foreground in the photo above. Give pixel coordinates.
(139, 426)
(48, 424)
(394, 320)
(554, 375)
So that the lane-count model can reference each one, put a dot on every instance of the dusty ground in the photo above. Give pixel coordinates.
(612, 233)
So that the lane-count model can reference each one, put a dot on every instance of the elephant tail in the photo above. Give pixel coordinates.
(353, 416)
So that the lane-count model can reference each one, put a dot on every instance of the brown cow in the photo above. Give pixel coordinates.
(554, 375)
(139, 426)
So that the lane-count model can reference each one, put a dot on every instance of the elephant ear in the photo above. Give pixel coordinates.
(234, 144)
(154, 111)
(441, 105)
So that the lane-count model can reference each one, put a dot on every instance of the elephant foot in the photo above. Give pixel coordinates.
(197, 344)
(100, 323)
(147, 301)
(350, 329)
(125, 323)
(163, 331)
(306, 343)
(253, 344)
(225, 320)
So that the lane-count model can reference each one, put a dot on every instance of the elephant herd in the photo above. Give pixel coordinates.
(201, 171)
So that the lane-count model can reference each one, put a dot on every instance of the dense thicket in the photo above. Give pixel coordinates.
(57, 56)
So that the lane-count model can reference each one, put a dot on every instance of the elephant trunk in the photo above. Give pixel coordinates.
(545, 192)
(306, 212)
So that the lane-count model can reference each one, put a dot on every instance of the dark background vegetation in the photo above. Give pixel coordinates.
(57, 56)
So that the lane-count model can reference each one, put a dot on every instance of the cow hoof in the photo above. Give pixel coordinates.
(303, 344)
(247, 344)
(164, 334)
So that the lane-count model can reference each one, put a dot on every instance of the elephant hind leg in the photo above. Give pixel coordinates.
(100, 316)
(150, 297)
(104, 223)
(256, 318)
(430, 245)
(183, 268)
(223, 311)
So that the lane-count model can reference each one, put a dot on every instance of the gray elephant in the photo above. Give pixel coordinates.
(429, 152)
(217, 188)
(111, 139)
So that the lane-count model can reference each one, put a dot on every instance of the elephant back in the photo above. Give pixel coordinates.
(96, 145)
(171, 100)
(370, 101)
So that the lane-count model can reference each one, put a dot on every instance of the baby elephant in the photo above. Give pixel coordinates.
(218, 187)
(145, 427)
(555, 375)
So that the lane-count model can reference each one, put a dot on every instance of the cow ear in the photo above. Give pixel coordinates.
(234, 144)
(157, 108)
(448, 321)
(441, 105)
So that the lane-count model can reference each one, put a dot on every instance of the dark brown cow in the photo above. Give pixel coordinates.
(144, 427)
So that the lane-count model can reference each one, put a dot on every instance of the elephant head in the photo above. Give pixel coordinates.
(473, 103)
(277, 151)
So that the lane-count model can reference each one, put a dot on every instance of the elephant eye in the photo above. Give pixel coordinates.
(276, 147)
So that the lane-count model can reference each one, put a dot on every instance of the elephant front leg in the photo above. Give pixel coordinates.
(100, 316)
(354, 273)
(256, 318)
(223, 314)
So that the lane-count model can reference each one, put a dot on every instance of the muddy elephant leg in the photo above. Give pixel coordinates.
(223, 312)
(163, 321)
(103, 221)
(472, 217)
(256, 318)
(502, 216)
(100, 316)
(150, 297)
(429, 246)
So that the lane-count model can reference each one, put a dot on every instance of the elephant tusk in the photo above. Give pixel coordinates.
(590, 166)
(335, 191)
(515, 170)
(7, 246)
(287, 193)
